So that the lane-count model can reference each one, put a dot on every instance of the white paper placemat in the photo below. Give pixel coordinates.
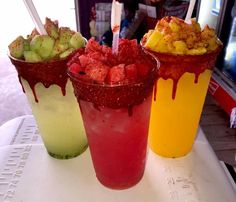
(29, 174)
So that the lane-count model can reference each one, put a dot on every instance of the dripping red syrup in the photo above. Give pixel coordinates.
(47, 73)
(155, 91)
(174, 66)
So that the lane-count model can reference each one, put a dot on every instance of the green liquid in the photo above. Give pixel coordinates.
(59, 120)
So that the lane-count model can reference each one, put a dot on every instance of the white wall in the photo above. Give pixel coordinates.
(205, 15)
(15, 19)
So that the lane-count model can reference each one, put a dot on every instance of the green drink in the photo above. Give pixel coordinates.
(54, 106)
(40, 61)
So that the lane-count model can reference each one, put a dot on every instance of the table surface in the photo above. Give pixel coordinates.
(29, 174)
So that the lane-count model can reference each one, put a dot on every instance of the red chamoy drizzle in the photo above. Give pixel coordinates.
(175, 83)
(47, 73)
(196, 78)
(155, 90)
(174, 66)
(32, 88)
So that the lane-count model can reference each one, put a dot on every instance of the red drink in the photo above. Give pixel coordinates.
(116, 119)
(117, 142)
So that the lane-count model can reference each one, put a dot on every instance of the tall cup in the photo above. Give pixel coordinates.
(50, 94)
(178, 101)
(116, 119)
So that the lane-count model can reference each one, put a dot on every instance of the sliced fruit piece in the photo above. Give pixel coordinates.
(180, 47)
(65, 35)
(36, 42)
(84, 60)
(31, 56)
(97, 73)
(76, 68)
(58, 48)
(153, 40)
(66, 53)
(77, 41)
(75, 56)
(197, 51)
(16, 47)
(51, 28)
(46, 46)
(174, 26)
(26, 45)
(33, 34)
(92, 46)
(116, 73)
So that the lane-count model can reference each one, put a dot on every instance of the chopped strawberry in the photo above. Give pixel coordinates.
(97, 72)
(116, 73)
(78, 53)
(95, 61)
(108, 57)
(127, 51)
(106, 50)
(92, 46)
(74, 57)
(95, 55)
(131, 72)
(76, 68)
(84, 60)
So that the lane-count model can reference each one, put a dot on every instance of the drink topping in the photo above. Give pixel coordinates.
(174, 35)
(182, 48)
(43, 58)
(98, 64)
(58, 44)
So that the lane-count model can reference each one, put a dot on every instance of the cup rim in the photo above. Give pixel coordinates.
(40, 62)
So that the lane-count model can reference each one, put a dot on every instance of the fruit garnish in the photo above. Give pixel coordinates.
(58, 44)
(116, 73)
(97, 72)
(101, 66)
(174, 35)
(16, 47)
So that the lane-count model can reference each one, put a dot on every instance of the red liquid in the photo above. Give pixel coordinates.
(118, 142)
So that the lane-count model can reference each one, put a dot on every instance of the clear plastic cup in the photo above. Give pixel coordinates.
(178, 101)
(116, 119)
(50, 95)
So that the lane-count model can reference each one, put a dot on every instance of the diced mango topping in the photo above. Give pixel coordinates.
(173, 35)
(180, 46)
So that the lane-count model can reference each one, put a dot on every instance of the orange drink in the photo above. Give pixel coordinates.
(176, 111)
(183, 81)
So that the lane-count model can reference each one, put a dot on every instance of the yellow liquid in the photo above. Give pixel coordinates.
(59, 120)
(174, 122)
